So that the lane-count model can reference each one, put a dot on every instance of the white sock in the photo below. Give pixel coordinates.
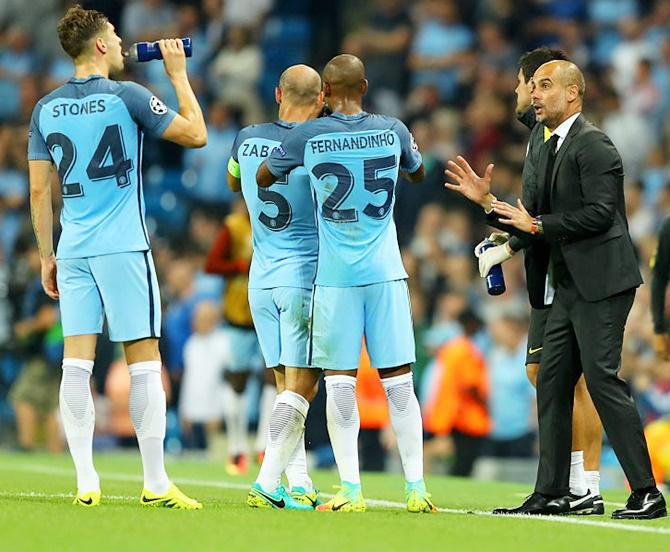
(406, 421)
(296, 471)
(78, 415)
(147, 411)
(593, 481)
(344, 425)
(286, 429)
(265, 408)
(578, 484)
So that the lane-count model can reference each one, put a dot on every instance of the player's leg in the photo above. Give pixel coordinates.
(129, 289)
(335, 345)
(81, 317)
(390, 341)
(587, 436)
(266, 405)
(284, 449)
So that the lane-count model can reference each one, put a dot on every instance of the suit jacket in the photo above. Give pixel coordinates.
(587, 217)
(536, 252)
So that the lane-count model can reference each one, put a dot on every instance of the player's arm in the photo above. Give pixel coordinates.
(289, 155)
(188, 126)
(411, 162)
(416, 176)
(234, 174)
(40, 171)
(234, 182)
(264, 178)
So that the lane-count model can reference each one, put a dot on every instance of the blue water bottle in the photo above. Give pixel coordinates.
(146, 51)
(495, 279)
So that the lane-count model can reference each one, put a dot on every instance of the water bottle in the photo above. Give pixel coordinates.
(146, 51)
(495, 279)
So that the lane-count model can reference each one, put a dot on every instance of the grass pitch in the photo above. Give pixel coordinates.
(36, 514)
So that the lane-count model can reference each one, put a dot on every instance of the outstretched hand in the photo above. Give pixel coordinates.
(467, 182)
(513, 216)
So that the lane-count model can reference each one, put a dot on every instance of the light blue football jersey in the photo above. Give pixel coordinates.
(283, 222)
(92, 129)
(353, 163)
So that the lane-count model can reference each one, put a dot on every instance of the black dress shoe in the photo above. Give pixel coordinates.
(534, 505)
(643, 505)
(584, 505)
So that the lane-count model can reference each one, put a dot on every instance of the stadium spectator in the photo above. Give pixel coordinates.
(235, 72)
(39, 338)
(383, 42)
(230, 257)
(206, 168)
(456, 410)
(512, 397)
(440, 49)
(206, 353)
(147, 20)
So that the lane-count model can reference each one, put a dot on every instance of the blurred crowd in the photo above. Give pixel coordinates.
(448, 69)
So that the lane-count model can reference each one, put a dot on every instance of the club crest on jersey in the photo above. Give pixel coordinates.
(157, 106)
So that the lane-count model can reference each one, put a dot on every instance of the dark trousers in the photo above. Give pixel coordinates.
(592, 332)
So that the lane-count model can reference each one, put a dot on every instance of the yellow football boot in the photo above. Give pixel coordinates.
(174, 498)
(418, 499)
(348, 499)
(87, 500)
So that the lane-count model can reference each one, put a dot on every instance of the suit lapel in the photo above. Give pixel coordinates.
(574, 129)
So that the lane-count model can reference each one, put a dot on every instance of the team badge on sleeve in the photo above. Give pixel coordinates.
(414, 146)
(157, 106)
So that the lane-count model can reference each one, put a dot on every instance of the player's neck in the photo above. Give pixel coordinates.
(90, 67)
(293, 114)
(345, 105)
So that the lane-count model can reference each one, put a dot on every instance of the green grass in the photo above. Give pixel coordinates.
(36, 514)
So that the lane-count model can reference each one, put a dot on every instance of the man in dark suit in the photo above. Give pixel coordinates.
(593, 271)
(586, 427)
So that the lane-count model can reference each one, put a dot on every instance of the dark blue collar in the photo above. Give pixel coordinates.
(285, 124)
(344, 117)
(75, 80)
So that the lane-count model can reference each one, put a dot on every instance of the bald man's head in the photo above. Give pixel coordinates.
(558, 92)
(300, 85)
(345, 75)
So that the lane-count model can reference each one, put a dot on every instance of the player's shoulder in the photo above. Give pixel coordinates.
(384, 123)
(338, 122)
(269, 131)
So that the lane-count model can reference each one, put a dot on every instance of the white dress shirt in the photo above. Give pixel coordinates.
(562, 130)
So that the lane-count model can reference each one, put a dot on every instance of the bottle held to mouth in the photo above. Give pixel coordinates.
(147, 51)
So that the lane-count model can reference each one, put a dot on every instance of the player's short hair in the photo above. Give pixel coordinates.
(77, 27)
(531, 61)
